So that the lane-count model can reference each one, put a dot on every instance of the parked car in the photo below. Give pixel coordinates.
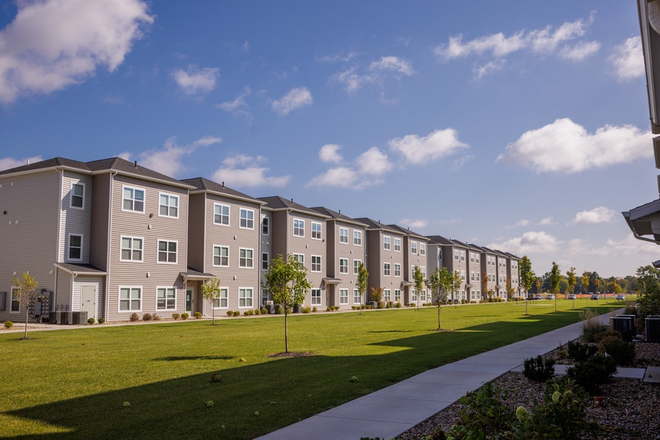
(549, 296)
(571, 296)
(595, 296)
(621, 297)
(538, 296)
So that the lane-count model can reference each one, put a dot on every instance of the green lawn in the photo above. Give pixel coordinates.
(73, 384)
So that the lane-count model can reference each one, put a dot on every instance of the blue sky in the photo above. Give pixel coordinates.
(520, 125)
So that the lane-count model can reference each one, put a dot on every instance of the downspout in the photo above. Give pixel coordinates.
(108, 253)
(59, 230)
(261, 257)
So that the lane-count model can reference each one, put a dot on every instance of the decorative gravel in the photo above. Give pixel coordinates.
(631, 409)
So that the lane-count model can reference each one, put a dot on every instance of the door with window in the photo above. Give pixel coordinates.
(190, 300)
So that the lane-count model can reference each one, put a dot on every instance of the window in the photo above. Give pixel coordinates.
(386, 243)
(413, 247)
(471, 257)
(343, 296)
(356, 267)
(397, 270)
(422, 249)
(264, 226)
(316, 263)
(222, 302)
(245, 258)
(265, 259)
(463, 275)
(357, 238)
(316, 297)
(168, 206)
(397, 295)
(131, 249)
(75, 247)
(343, 235)
(77, 196)
(130, 299)
(413, 295)
(316, 231)
(423, 296)
(462, 255)
(422, 269)
(247, 218)
(221, 256)
(244, 297)
(221, 214)
(300, 258)
(165, 298)
(167, 251)
(343, 265)
(386, 269)
(357, 298)
(133, 199)
(387, 295)
(298, 227)
(15, 306)
(397, 245)
(456, 255)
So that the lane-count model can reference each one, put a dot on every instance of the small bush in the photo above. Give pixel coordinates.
(175, 316)
(539, 370)
(101, 320)
(306, 310)
(216, 377)
(135, 317)
(230, 313)
(156, 317)
(397, 305)
(185, 316)
(280, 310)
(484, 413)
(592, 373)
(9, 325)
(264, 311)
(580, 352)
(147, 317)
(257, 311)
(91, 320)
(237, 313)
(197, 315)
(591, 326)
(314, 309)
(631, 308)
(353, 379)
(621, 351)
(246, 313)
(608, 334)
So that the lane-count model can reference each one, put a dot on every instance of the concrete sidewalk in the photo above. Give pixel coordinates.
(397, 408)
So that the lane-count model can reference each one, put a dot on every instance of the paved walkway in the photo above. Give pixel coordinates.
(397, 408)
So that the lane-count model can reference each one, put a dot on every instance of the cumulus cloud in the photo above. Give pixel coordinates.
(393, 63)
(628, 60)
(52, 44)
(596, 215)
(366, 170)
(580, 50)
(374, 162)
(493, 66)
(296, 98)
(329, 153)
(356, 77)
(414, 223)
(340, 177)
(546, 221)
(436, 145)
(338, 57)
(9, 162)
(242, 170)
(626, 247)
(529, 243)
(519, 223)
(567, 147)
(238, 106)
(169, 159)
(196, 81)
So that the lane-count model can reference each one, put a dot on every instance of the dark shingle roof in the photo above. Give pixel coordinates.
(48, 163)
(81, 268)
(203, 184)
(277, 203)
(407, 231)
(373, 224)
(439, 239)
(338, 216)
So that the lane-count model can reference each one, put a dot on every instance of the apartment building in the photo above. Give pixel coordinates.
(489, 272)
(415, 249)
(108, 237)
(346, 245)
(385, 261)
(473, 259)
(224, 236)
(453, 255)
(300, 231)
(513, 273)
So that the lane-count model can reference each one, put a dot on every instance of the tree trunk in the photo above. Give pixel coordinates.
(439, 315)
(26, 321)
(213, 312)
(286, 330)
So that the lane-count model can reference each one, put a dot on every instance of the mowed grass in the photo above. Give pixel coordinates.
(73, 383)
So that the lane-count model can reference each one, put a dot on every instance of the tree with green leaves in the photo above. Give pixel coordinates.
(648, 299)
(211, 293)
(584, 279)
(361, 282)
(439, 283)
(527, 275)
(555, 279)
(456, 281)
(571, 279)
(25, 291)
(286, 281)
(418, 279)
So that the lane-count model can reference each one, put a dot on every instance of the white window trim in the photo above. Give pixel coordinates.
(82, 247)
(239, 258)
(144, 206)
(397, 247)
(343, 303)
(168, 252)
(390, 269)
(413, 247)
(356, 295)
(355, 231)
(239, 297)
(298, 259)
(389, 244)
(422, 249)
(340, 235)
(320, 232)
(228, 256)
(175, 298)
(340, 266)
(356, 269)
(397, 265)
(228, 215)
(267, 223)
(311, 297)
(12, 298)
(119, 310)
(267, 254)
(178, 205)
(240, 217)
(320, 264)
(82, 208)
(293, 231)
(226, 289)
(121, 237)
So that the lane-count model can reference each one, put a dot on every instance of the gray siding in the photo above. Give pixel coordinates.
(99, 224)
(349, 251)
(196, 231)
(75, 220)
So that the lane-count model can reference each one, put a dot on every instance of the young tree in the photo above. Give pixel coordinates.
(484, 284)
(211, 293)
(527, 275)
(509, 289)
(361, 282)
(555, 279)
(571, 279)
(648, 279)
(419, 283)
(584, 279)
(286, 281)
(377, 294)
(439, 283)
(25, 292)
(456, 283)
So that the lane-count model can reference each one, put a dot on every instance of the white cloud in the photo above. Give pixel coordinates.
(546, 221)
(579, 50)
(329, 153)
(596, 215)
(436, 145)
(238, 106)
(52, 44)
(628, 60)
(567, 147)
(354, 78)
(414, 223)
(296, 98)
(193, 80)
(374, 162)
(393, 63)
(247, 171)
(612, 248)
(340, 177)
(367, 169)
(493, 66)
(461, 161)
(9, 162)
(168, 160)
(338, 57)
(351, 80)
(529, 243)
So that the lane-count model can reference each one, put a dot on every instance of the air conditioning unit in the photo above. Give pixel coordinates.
(623, 325)
(652, 328)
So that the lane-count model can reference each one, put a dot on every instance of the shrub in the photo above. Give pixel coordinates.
(539, 370)
(216, 377)
(135, 317)
(621, 351)
(631, 308)
(230, 313)
(483, 413)
(264, 311)
(197, 315)
(146, 317)
(608, 334)
(91, 320)
(314, 309)
(101, 320)
(9, 325)
(329, 309)
(591, 326)
(237, 313)
(246, 313)
(175, 316)
(257, 311)
(280, 310)
(306, 310)
(397, 305)
(185, 316)
(580, 352)
(592, 373)
(156, 317)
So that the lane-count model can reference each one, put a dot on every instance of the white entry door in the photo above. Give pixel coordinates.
(88, 296)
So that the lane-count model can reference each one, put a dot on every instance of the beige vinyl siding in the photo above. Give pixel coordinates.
(28, 230)
(85, 280)
(308, 246)
(98, 252)
(63, 290)
(73, 220)
(196, 231)
(373, 260)
(391, 256)
(151, 227)
(348, 251)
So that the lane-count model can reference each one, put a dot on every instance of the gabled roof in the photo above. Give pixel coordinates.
(374, 225)
(439, 239)
(277, 203)
(408, 232)
(80, 269)
(49, 163)
(202, 185)
(338, 216)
